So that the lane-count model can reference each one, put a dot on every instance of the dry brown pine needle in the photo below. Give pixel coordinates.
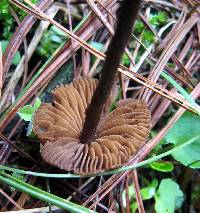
(120, 133)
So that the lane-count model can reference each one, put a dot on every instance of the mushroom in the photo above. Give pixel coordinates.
(59, 125)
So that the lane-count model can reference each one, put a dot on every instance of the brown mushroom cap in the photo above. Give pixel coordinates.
(120, 133)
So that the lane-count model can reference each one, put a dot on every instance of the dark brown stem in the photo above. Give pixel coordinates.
(127, 15)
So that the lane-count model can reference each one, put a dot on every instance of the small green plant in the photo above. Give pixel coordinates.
(172, 201)
(51, 41)
(139, 27)
(147, 193)
(163, 203)
(7, 19)
(159, 19)
(26, 113)
(148, 38)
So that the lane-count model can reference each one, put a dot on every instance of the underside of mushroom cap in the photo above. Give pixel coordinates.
(120, 133)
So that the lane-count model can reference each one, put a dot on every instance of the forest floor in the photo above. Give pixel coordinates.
(48, 44)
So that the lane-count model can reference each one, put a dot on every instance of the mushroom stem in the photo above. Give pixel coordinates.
(127, 15)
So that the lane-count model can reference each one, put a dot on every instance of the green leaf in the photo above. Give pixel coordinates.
(3, 6)
(56, 38)
(148, 37)
(58, 31)
(37, 104)
(195, 164)
(159, 19)
(133, 207)
(26, 112)
(162, 166)
(149, 191)
(34, 1)
(162, 17)
(97, 45)
(139, 26)
(168, 197)
(16, 58)
(146, 192)
(125, 59)
(17, 55)
(154, 20)
(186, 128)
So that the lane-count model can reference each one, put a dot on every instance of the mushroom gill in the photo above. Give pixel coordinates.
(59, 125)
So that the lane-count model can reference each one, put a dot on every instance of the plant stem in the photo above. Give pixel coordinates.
(127, 15)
